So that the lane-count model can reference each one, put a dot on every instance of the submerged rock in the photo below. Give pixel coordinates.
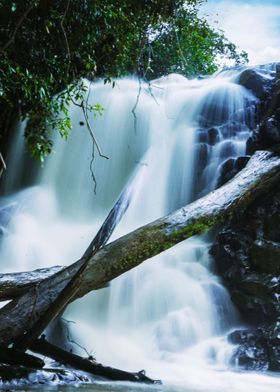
(257, 349)
(18, 376)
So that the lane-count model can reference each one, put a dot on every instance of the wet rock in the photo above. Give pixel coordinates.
(18, 377)
(227, 148)
(202, 155)
(214, 112)
(230, 168)
(241, 162)
(226, 171)
(267, 133)
(213, 136)
(255, 82)
(266, 256)
(257, 349)
(202, 136)
(246, 253)
(271, 129)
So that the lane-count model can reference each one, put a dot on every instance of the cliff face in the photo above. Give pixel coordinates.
(247, 249)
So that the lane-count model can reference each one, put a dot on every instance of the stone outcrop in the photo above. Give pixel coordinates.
(247, 255)
(267, 132)
(247, 249)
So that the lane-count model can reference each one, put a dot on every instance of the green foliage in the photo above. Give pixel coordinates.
(189, 46)
(48, 46)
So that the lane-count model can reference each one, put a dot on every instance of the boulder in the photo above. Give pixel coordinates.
(213, 136)
(257, 349)
(230, 168)
(255, 82)
(267, 132)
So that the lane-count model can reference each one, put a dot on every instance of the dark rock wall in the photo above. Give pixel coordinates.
(247, 249)
(267, 131)
(247, 256)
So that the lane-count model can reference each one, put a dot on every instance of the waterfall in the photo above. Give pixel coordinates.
(170, 315)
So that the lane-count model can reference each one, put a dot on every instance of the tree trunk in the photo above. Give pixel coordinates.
(45, 348)
(260, 174)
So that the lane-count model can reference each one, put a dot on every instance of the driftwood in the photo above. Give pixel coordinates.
(43, 347)
(112, 260)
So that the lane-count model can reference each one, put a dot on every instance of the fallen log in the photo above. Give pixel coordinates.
(13, 356)
(260, 174)
(63, 297)
(15, 284)
(43, 347)
(2, 165)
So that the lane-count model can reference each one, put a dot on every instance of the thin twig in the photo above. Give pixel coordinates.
(93, 144)
(85, 107)
(91, 169)
(92, 133)
(152, 94)
(70, 339)
(136, 104)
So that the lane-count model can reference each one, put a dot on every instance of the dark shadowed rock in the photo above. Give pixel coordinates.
(271, 128)
(255, 82)
(266, 256)
(247, 255)
(230, 168)
(213, 136)
(202, 136)
(267, 132)
(257, 349)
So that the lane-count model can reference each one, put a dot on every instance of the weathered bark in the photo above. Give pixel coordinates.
(45, 348)
(15, 284)
(262, 171)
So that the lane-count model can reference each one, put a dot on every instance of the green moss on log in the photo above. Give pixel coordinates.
(189, 231)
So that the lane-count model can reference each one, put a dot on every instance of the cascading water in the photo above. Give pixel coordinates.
(171, 314)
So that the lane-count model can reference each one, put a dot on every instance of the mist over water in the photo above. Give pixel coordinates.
(170, 315)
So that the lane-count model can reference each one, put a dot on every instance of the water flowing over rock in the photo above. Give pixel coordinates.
(187, 137)
(247, 250)
(247, 255)
(266, 133)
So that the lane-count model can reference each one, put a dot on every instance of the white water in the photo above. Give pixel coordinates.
(170, 315)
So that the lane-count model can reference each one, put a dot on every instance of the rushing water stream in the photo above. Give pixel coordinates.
(170, 315)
